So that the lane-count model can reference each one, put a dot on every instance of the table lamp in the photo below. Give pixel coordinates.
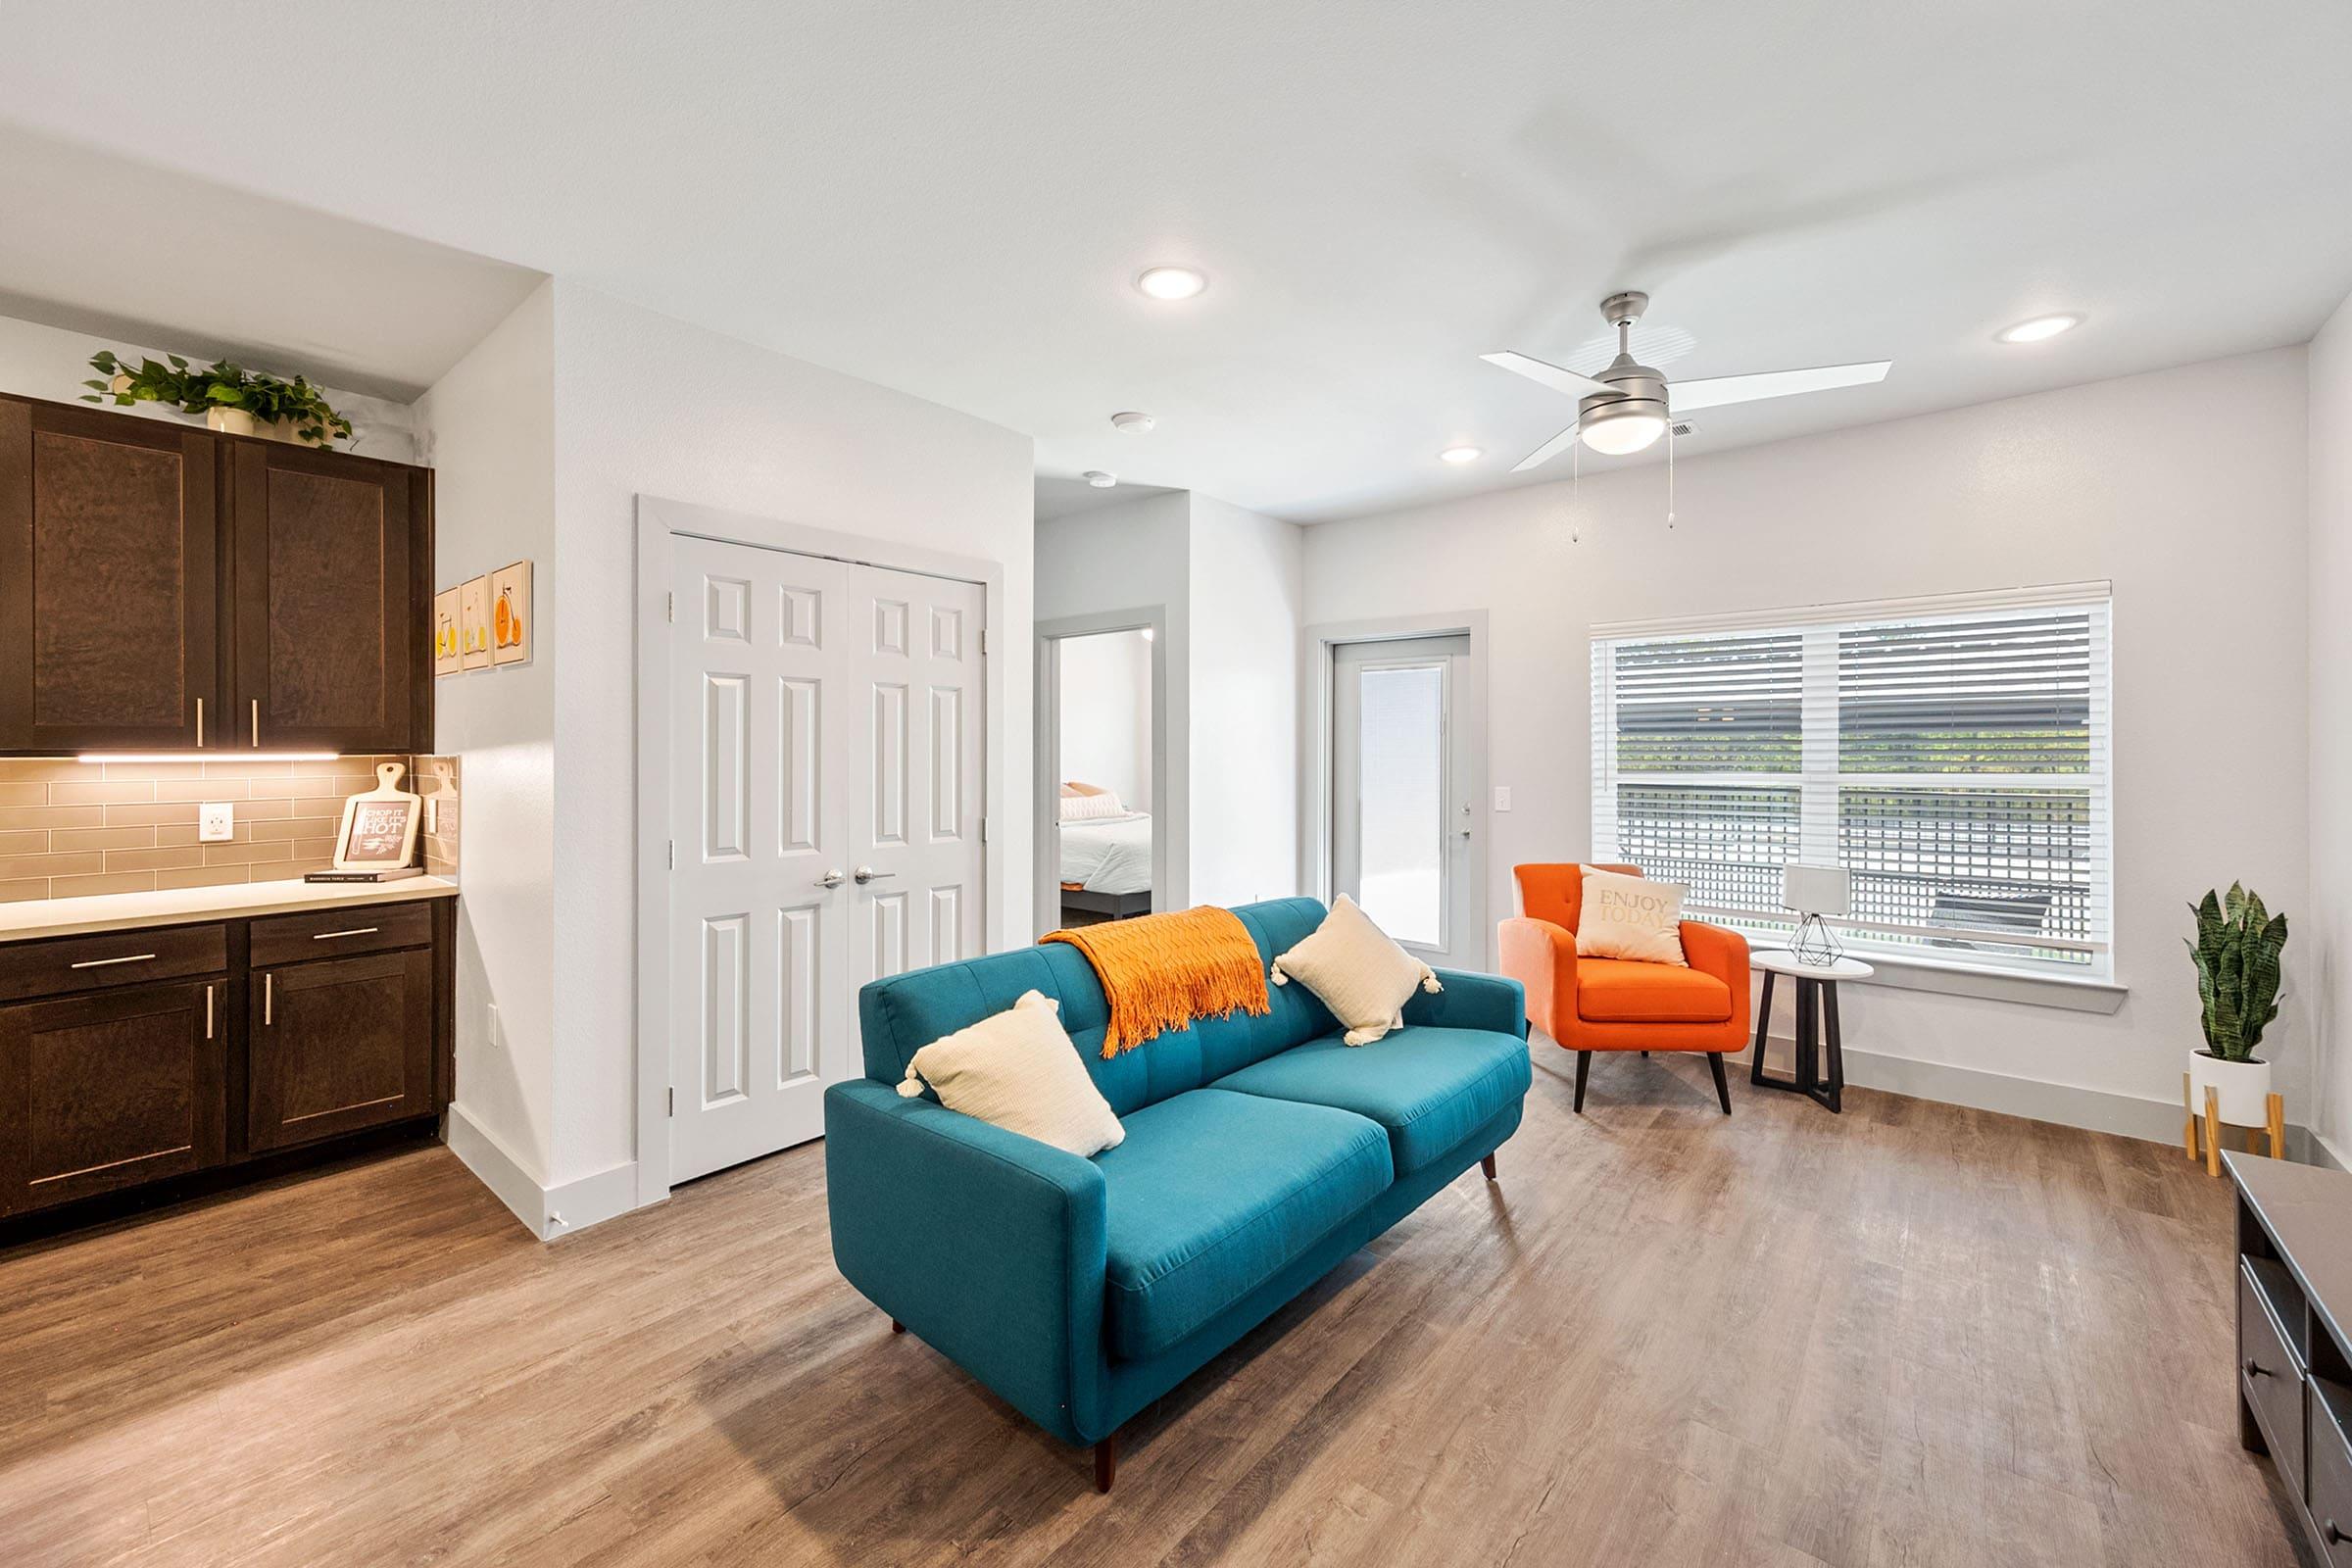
(1813, 891)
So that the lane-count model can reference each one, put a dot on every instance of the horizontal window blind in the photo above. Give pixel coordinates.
(1954, 760)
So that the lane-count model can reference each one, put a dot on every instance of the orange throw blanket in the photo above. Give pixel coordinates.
(1162, 971)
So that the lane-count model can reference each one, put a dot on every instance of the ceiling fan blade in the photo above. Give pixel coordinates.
(1547, 451)
(1551, 375)
(1711, 392)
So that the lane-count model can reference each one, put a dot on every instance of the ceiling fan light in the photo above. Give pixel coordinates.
(1621, 430)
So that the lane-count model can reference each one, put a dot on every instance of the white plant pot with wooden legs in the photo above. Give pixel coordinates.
(2229, 1094)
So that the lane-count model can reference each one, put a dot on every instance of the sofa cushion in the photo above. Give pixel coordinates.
(1428, 1087)
(1211, 1193)
(1623, 991)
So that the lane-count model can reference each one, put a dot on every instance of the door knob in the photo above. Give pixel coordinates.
(867, 873)
(831, 879)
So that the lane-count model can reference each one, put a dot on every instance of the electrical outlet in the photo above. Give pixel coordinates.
(1502, 797)
(216, 821)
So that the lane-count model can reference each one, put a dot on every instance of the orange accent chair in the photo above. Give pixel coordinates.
(1591, 1005)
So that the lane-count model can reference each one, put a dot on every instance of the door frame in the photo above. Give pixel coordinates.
(1171, 803)
(1316, 816)
(659, 519)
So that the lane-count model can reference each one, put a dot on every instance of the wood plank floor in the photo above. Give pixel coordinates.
(1910, 1335)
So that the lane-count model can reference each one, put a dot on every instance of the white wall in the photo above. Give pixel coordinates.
(1247, 597)
(2326, 938)
(488, 429)
(2186, 487)
(1105, 724)
(646, 404)
(47, 361)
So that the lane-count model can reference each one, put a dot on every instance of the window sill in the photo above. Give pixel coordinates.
(2070, 993)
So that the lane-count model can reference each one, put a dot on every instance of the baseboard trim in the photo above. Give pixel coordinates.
(495, 1166)
(547, 1212)
(2156, 1120)
(590, 1201)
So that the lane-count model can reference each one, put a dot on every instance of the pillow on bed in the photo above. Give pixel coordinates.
(1355, 971)
(1091, 804)
(1018, 1071)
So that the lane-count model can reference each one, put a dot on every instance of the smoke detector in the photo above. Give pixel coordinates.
(1132, 422)
(1098, 479)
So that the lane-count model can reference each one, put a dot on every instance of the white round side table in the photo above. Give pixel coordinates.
(1816, 1009)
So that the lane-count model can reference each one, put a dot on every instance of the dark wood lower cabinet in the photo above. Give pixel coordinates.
(339, 1044)
(122, 1089)
(111, 1089)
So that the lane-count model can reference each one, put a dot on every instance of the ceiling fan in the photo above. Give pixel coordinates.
(1627, 406)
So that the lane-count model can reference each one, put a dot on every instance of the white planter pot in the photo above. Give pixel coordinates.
(229, 422)
(2244, 1087)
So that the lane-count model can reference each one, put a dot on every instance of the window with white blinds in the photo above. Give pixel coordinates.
(1951, 754)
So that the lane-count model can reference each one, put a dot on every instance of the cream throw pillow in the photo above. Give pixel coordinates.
(1018, 1071)
(1631, 917)
(1354, 970)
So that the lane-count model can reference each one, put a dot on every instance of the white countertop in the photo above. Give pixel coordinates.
(32, 919)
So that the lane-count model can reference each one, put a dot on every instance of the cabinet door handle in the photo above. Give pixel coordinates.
(355, 931)
(257, 723)
(268, 998)
(2255, 1369)
(100, 964)
(208, 1013)
(199, 723)
(2331, 1534)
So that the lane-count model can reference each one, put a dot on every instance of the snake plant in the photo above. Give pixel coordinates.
(2236, 955)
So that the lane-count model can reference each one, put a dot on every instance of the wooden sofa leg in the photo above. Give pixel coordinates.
(1722, 1088)
(1487, 1164)
(1106, 1462)
(1584, 1071)
(897, 1327)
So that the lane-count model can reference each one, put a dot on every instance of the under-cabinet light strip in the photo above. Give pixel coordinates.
(208, 757)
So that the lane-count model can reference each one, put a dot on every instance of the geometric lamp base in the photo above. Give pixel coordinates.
(1813, 943)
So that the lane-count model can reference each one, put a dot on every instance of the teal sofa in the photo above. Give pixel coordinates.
(1259, 1153)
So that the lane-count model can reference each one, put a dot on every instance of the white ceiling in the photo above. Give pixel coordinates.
(125, 251)
(952, 198)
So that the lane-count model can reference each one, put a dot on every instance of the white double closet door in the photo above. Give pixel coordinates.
(826, 792)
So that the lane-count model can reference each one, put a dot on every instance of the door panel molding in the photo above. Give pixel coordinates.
(800, 619)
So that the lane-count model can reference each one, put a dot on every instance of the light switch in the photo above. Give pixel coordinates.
(217, 821)
(1502, 797)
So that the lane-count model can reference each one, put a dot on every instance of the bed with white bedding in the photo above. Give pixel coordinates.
(1110, 855)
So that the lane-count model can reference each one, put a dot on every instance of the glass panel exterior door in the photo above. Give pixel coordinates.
(1399, 807)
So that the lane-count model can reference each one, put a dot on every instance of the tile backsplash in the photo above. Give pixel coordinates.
(69, 828)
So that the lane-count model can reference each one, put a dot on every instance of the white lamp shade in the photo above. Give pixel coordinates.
(1817, 889)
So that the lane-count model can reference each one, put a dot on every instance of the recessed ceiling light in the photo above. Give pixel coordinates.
(2040, 328)
(1132, 422)
(1461, 454)
(1171, 282)
(1098, 479)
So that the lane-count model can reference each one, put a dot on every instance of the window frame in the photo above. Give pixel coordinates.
(1819, 784)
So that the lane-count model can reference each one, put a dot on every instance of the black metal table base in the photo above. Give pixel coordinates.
(1816, 1007)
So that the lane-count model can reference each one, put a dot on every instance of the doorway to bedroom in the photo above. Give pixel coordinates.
(1102, 776)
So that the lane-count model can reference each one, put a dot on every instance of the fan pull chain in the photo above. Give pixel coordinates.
(1576, 494)
(1669, 473)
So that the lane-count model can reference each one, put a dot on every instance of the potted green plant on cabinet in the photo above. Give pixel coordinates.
(230, 398)
(2236, 951)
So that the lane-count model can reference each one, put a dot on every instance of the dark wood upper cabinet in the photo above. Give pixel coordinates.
(338, 1046)
(164, 587)
(110, 1091)
(330, 616)
(109, 605)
